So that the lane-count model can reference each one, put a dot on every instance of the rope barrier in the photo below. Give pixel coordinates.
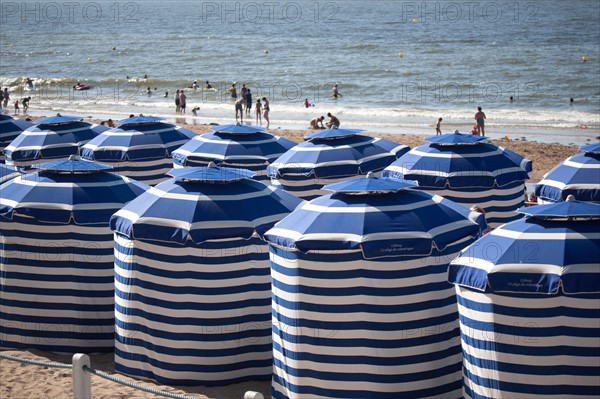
(36, 362)
(98, 373)
(134, 385)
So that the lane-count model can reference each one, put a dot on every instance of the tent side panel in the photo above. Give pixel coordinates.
(57, 287)
(529, 346)
(194, 314)
(347, 327)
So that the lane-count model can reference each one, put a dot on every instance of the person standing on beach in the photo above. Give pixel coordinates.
(438, 130)
(233, 91)
(1, 99)
(243, 91)
(177, 101)
(6, 97)
(480, 118)
(258, 112)
(182, 102)
(239, 110)
(17, 107)
(266, 110)
(248, 102)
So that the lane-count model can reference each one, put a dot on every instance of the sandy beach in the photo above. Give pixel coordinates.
(31, 381)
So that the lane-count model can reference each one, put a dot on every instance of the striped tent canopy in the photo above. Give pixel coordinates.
(193, 290)
(358, 276)
(7, 173)
(529, 305)
(235, 146)
(140, 147)
(465, 169)
(56, 252)
(10, 128)
(56, 137)
(578, 175)
(330, 156)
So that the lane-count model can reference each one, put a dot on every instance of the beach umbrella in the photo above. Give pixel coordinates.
(192, 279)
(7, 173)
(55, 137)
(578, 175)
(465, 169)
(529, 305)
(361, 305)
(235, 146)
(330, 156)
(57, 259)
(10, 128)
(139, 148)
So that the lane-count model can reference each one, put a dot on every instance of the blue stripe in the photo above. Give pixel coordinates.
(365, 377)
(527, 369)
(329, 289)
(170, 381)
(54, 322)
(57, 348)
(438, 390)
(366, 325)
(211, 320)
(196, 306)
(530, 388)
(59, 305)
(531, 330)
(407, 338)
(248, 332)
(59, 292)
(349, 358)
(532, 313)
(134, 345)
(66, 278)
(234, 289)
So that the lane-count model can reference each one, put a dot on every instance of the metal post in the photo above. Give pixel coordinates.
(82, 385)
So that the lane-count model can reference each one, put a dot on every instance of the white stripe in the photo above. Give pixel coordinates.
(62, 207)
(572, 186)
(196, 314)
(204, 345)
(58, 285)
(69, 342)
(81, 313)
(532, 379)
(545, 236)
(189, 282)
(351, 384)
(213, 330)
(580, 165)
(352, 368)
(70, 299)
(319, 335)
(217, 376)
(544, 361)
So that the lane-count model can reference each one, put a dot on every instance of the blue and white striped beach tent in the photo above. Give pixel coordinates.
(55, 137)
(139, 148)
(529, 304)
(56, 256)
(361, 305)
(578, 175)
(330, 156)
(192, 280)
(463, 168)
(7, 173)
(10, 128)
(234, 146)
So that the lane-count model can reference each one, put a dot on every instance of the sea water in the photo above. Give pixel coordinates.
(399, 65)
